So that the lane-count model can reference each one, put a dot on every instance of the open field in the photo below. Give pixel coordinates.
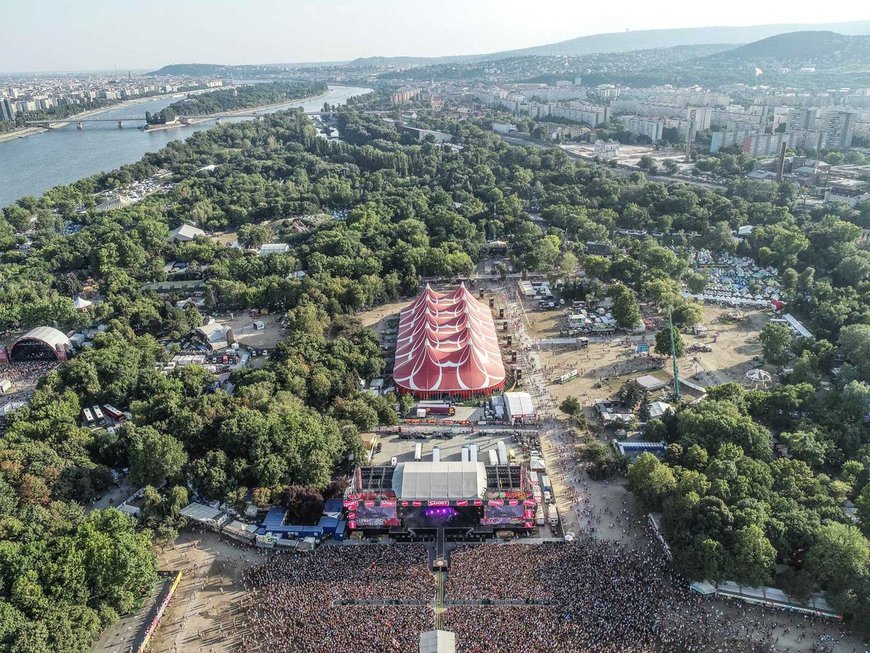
(375, 317)
(605, 365)
(245, 334)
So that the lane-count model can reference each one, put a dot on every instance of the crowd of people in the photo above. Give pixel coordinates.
(365, 598)
(591, 595)
(28, 372)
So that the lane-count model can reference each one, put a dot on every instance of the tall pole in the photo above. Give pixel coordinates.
(674, 355)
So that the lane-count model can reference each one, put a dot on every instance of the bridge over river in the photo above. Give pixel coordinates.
(180, 121)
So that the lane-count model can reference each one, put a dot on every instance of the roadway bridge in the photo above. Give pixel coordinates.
(80, 122)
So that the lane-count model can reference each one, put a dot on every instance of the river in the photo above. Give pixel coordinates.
(32, 165)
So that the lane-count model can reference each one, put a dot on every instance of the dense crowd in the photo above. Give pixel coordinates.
(306, 602)
(28, 372)
(589, 595)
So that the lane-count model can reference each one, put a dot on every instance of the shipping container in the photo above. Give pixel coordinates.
(554, 516)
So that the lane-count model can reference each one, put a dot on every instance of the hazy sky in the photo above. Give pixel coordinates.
(137, 34)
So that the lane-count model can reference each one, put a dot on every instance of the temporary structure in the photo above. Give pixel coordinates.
(447, 345)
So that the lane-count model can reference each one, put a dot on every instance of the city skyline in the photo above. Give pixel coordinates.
(95, 35)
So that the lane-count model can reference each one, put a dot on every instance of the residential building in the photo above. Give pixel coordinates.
(7, 110)
(839, 129)
(652, 128)
(185, 233)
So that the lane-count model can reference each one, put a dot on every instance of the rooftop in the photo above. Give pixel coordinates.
(447, 480)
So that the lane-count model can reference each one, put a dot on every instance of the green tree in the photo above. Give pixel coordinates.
(571, 406)
(687, 314)
(650, 480)
(839, 556)
(626, 310)
(663, 291)
(776, 343)
(663, 342)
(856, 398)
(855, 343)
(568, 265)
(754, 556)
(154, 456)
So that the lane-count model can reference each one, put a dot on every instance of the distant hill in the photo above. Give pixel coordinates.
(192, 70)
(803, 46)
(584, 45)
(666, 38)
(653, 39)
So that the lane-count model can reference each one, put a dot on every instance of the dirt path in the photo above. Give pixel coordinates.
(206, 614)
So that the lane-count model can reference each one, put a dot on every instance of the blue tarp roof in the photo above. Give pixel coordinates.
(274, 518)
(333, 505)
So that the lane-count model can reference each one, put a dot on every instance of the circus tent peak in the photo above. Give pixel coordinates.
(447, 344)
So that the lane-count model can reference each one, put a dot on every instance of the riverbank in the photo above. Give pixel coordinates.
(63, 122)
(31, 166)
(21, 133)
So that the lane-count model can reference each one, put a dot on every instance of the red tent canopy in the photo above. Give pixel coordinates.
(447, 344)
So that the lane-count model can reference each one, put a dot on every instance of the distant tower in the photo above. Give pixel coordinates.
(690, 138)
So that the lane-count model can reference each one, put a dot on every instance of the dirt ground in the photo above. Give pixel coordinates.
(604, 366)
(375, 317)
(245, 334)
(205, 614)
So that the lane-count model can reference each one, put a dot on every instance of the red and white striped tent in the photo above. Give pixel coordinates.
(447, 345)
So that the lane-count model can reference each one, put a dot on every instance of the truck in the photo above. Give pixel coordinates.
(547, 488)
(539, 516)
(418, 452)
(502, 453)
(436, 454)
(545, 482)
(436, 408)
(554, 516)
(466, 454)
(493, 457)
(472, 450)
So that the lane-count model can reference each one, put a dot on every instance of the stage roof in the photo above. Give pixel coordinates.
(448, 480)
(49, 335)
